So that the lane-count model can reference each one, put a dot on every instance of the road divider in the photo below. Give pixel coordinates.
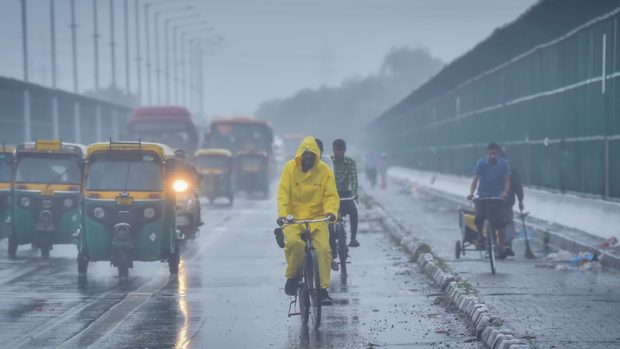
(490, 329)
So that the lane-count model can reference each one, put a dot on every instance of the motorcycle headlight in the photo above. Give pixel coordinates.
(25, 201)
(68, 202)
(180, 185)
(99, 212)
(149, 213)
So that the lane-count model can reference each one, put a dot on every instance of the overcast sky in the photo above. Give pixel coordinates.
(272, 47)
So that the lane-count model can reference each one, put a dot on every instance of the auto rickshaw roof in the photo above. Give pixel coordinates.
(162, 150)
(51, 146)
(213, 151)
(7, 148)
(253, 152)
(240, 120)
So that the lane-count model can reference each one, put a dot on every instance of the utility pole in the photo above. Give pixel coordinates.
(25, 40)
(53, 41)
(127, 67)
(112, 45)
(74, 47)
(96, 37)
(148, 54)
(138, 51)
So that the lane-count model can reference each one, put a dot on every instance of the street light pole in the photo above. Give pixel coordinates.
(138, 51)
(112, 45)
(74, 47)
(25, 39)
(181, 75)
(167, 51)
(96, 37)
(53, 41)
(127, 66)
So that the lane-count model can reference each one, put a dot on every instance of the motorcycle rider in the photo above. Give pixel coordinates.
(183, 169)
(307, 190)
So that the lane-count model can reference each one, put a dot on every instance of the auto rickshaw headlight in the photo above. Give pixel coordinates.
(180, 185)
(149, 213)
(25, 201)
(99, 212)
(68, 202)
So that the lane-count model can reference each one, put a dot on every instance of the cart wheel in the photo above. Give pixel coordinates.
(457, 249)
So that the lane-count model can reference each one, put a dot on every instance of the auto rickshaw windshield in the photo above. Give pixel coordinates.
(251, 163)
(213, 161)
(48, 169)
(125, 172)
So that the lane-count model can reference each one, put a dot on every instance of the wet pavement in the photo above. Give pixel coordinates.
(551, 308)
(229, 294)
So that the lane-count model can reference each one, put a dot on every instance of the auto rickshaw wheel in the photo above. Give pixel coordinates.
(173, 262)
(122, 264)
(12, 247)
(82, 263)
(45, 251)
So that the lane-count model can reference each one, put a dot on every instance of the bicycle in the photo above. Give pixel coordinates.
(493, 239)
(309, 287)
(340, 231)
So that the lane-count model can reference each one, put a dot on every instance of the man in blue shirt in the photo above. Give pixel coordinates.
(491, 185)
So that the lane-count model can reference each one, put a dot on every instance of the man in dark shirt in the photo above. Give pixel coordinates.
(491, 185)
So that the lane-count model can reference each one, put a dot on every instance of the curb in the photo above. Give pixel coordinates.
(488, 326)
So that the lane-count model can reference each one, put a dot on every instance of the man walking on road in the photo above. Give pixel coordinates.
(491, 185)
(516, 192)
(307, 190)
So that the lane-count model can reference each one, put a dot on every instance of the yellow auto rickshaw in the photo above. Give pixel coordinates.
(215, 166)
(128, 206)
(45, 201)
(252, 171)
(6, 179)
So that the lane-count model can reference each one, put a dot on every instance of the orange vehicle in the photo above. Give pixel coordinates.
(240, 134)
(170, 125)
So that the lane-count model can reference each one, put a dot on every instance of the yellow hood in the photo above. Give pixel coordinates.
(310, 194)
(308, 144)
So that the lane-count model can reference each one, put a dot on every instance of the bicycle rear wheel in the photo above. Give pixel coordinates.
(343, 251)
(314, 282)
(490, 245)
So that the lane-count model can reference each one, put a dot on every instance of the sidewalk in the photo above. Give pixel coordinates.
(547, 307)
(566, 222)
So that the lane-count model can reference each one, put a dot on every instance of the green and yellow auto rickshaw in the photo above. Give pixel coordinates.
(45, 201)
(128, 206)
(215, 166)
(252, 171)
(6, 181)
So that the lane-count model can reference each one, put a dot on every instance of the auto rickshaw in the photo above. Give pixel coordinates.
(128, 206)
(252, 171)
(45, 207)
(6, 180)
(215, 166)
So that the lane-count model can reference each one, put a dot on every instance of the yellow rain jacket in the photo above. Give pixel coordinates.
(307, 195)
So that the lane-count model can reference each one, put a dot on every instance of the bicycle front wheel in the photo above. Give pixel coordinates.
(315, 290)
(343, 251)
(490, 245)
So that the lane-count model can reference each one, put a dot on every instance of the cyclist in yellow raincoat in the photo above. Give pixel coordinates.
(307, 191)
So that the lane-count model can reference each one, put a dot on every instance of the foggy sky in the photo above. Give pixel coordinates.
(273, 47)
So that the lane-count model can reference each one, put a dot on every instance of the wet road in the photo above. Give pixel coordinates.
(229, 294)
(549, 308)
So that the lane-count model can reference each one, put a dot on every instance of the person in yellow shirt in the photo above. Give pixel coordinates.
(307, 190)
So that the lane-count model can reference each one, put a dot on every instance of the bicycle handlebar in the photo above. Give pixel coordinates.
(348, 199)
(306, 221)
